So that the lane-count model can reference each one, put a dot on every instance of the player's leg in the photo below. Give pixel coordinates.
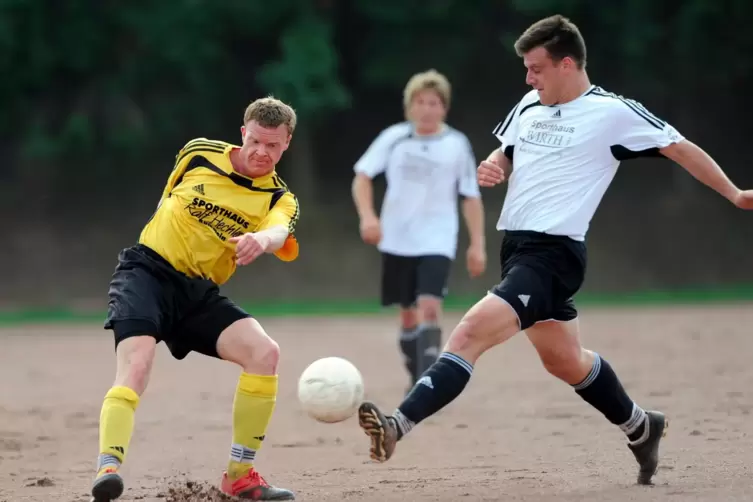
(399, 288)
(134, 298)
(559, 347)
(488, 323)
(223, 330)
(431, 282)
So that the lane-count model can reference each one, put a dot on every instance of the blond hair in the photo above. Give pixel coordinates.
(270, 112)
(428, 80)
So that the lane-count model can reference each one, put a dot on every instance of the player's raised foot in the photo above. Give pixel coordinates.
(647, 453)
(252, 486)
(381, 430)
(108, 485)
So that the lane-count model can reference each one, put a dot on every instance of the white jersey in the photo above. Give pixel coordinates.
(424, 174)
(565, 156)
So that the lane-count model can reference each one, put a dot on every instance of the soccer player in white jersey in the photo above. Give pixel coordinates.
(561, 146)
(426, 164)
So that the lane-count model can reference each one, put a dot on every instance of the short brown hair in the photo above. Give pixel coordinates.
(558, 35)
(431, 79)
(270, 112)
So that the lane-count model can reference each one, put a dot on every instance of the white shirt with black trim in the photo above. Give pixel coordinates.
(425, 175)
(564, 157)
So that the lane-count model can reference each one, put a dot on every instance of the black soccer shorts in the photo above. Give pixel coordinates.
(405, 278)
(148, 296)
(540, 275)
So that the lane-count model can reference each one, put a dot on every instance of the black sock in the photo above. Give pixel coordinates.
(438, 387)
(408, 345)
(602, 389)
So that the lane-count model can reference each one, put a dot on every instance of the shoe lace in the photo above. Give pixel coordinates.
(257, 479)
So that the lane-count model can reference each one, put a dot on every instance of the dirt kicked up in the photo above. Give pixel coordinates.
(515, 434)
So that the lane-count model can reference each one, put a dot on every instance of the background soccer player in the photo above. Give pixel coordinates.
(427, 164)
(561, 148)
(223, 206)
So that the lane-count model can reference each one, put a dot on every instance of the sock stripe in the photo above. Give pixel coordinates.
(457, 360)
(635, 421)
(107, 460)
(242, 454)
(591, 375)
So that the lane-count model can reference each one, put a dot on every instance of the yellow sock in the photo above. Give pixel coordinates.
(254, 403)
(116, 426)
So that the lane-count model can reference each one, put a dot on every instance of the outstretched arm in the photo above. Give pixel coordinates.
(702, 167)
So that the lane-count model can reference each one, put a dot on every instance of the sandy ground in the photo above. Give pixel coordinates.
(515, 434)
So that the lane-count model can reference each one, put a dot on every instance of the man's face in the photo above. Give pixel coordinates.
(426, 110)
(262, 148)
(547, 75)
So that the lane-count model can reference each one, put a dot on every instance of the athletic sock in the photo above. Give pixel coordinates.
(116, 422)
(408, 344)
(253, 406)
(438, 387)
(602, 389)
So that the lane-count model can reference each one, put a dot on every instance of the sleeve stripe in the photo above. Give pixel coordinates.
(502, 126)
(636, 107)
(198, 147)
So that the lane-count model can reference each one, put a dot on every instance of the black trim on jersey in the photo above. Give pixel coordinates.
(619, 152)
(199, 145)
(276, 197)
(633, 105)
(509, 151)
(506, 123)
(201, 161)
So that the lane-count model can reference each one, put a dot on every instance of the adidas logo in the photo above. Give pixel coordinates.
(524, 299)
(557, 114)
(199, 189)
(425, 380)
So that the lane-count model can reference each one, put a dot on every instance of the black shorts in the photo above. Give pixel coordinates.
(405, 278)
(150, 297)
(540, 275)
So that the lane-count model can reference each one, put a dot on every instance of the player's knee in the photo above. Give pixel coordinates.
(429, 309)
(135, 356)
(265, 356)
(247, 344)
(566, 364)
(467, 337)
(408, 318)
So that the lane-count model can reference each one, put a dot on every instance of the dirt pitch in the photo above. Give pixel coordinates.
(515, 434)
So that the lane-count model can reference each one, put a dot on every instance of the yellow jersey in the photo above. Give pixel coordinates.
(206, 202)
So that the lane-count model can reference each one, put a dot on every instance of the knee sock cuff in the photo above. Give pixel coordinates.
(124, 394)
(258, 385)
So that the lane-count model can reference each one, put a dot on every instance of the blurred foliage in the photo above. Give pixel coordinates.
(120, 78)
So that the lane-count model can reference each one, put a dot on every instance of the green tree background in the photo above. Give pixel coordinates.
(96, 97)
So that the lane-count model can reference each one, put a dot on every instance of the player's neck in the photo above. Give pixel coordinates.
(576, 88)
(429, 131)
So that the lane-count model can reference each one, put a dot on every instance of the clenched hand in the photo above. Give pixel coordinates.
(249, 247)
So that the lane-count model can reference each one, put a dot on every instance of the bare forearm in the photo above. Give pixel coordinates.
(363, 196)
(498, 157)
(473, 213)
(702, 167)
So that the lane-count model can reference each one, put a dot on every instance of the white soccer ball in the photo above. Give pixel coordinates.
(330, 389)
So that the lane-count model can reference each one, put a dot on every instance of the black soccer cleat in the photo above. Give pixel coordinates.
(381, 430)
(107, 486)
(647, 453)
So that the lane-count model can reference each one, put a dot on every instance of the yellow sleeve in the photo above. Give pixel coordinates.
(284, 214)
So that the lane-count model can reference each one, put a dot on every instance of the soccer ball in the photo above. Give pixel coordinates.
(330, 389)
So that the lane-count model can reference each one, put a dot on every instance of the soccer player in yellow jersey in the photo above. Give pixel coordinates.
(223, 206)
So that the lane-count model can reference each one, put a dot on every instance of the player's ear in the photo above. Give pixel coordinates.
(287, 142)
(243, 132)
